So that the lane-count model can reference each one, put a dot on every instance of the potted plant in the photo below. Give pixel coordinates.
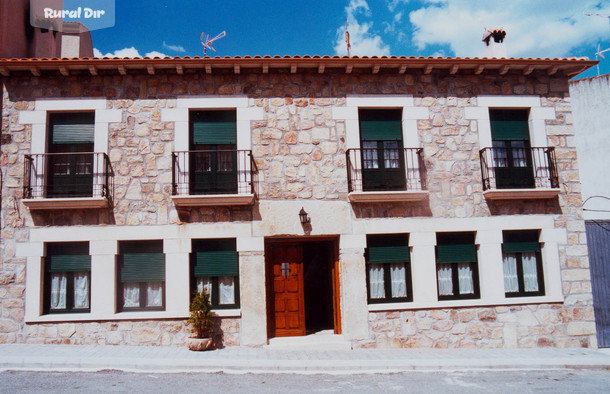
(201, 321)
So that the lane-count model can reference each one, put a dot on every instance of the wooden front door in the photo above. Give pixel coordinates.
(288, 315)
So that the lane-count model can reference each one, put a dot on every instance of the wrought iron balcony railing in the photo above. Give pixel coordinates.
(519, 168)
(214, 172)
(68, 175)
(385, 169)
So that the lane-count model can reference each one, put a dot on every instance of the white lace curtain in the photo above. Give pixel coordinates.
(131, 294)
(399, 280)
(81, 290)
(376, 283)
(445, 279)
(226, 288)
(445, 282)
(58, 290)
(530, 272)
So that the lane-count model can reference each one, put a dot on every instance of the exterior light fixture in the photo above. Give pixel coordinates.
(303, 216)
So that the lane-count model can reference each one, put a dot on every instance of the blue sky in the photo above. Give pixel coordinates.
(535, 28)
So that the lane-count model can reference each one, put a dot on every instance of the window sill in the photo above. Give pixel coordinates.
(66, 203)
(388, 196)
(213, 200)
(86, 317)
(520, 194)
(464, 303)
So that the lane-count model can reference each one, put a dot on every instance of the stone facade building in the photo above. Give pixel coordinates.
(399, 202)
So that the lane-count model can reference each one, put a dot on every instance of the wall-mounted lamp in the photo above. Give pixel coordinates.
(303, 216)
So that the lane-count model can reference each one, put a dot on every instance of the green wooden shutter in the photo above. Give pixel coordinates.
(73, 128)
(69, 263)
(214, 127)
(457, 253)
(216, 263)
(380, 125)
(142, 267)
(520, 247)
(388, 254)
(509, 125)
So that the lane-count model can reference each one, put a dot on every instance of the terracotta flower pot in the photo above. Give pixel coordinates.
(199, 344)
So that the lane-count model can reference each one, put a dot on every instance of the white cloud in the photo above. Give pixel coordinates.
(534, 28)
(127, 52)
(392, 4)
(175, 48)
(364, 42)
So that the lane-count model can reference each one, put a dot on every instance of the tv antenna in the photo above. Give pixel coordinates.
(600, 53)
(207, 41)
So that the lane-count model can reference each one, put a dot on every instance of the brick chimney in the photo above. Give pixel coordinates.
(494, 42)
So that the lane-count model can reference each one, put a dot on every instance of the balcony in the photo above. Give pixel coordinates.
(519, 173)
(386, 175)
(68, 181)
(213, 178)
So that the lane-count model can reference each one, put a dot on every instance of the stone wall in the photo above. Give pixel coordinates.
(519, 326)
(300, 152)
(137, 332)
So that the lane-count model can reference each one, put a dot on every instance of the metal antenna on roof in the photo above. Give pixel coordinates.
(207, 41)
(600, 53)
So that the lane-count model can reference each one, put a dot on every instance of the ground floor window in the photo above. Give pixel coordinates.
(67, 277)
(141, 276)
(456, 266)
(388, 268)
(215, 268)
(522, 264)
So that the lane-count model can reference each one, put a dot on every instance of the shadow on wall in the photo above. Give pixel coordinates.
(73, 217)
(525, 207)
(217, 214)
(393, 210)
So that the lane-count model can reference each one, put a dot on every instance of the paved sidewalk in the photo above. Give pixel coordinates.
(263, 360)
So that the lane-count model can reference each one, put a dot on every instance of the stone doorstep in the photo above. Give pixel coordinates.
(322, 340)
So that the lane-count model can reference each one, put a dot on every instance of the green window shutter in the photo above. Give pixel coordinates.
(73, 128)
(69, 263)
(387, 254)
(380, 125)
(142, 267)
(216, 263)
(509, 125)
(457, 253)
(520, 247)
(214, 127)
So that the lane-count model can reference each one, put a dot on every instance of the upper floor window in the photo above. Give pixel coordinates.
(383, 162)
(511, 148)
(213, 152)
(70, 160)
(67, 277)
(388, 268)
(522, 262)
(215, 268)
(141, 274)
(456, 266)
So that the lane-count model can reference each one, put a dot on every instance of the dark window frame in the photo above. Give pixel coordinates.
(143, 284)
(387, 278)
(224, 244)
(529, 235)
(460, 237)
(69, 285)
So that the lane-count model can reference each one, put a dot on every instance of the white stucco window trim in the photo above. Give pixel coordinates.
(103, 248)
(422, 242)
(410, 115)
(537, 117)
(38, 118)
(245, 114)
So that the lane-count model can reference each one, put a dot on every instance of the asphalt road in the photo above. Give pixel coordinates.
(551, 381)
